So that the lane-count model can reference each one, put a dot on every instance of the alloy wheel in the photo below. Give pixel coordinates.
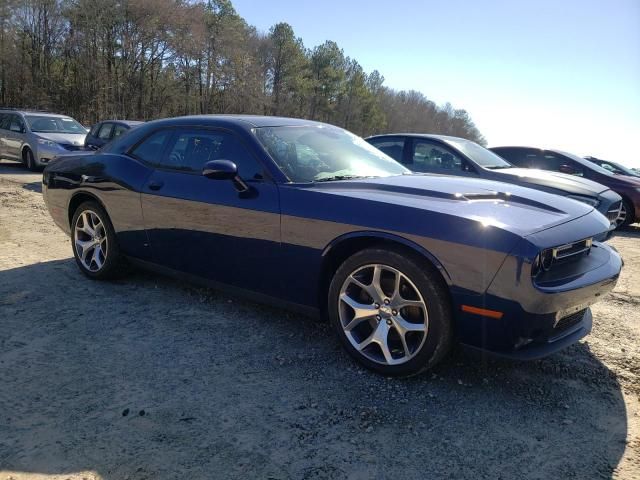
(90, 241)
(622, 215)
(383, 314)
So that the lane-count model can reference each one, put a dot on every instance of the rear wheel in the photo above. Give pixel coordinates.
(391, 312)
(95, 247)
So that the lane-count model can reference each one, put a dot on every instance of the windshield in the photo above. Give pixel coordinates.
(324, 153)
(617, 168)
(483, 157)
(47, 124)
(586, 163)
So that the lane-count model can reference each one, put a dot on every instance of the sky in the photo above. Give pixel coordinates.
(546, 73)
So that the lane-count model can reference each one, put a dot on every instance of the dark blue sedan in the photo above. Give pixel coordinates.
(309, 216)
(103, 132)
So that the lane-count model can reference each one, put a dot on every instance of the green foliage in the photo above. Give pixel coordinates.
(145, 59)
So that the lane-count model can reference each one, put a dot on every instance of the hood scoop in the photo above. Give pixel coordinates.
(507, 198)
(485, 196)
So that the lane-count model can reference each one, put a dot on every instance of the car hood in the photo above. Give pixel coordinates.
(64, 138)
(624, 181)
(572, 184)
(511, 207)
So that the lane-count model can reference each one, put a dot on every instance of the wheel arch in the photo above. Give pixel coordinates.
(346, 245)
(23, 150)
(77, 199)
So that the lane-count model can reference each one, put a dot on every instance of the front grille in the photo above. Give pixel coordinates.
(72, 148)
(569, 321)
(572, 251)
(614, 211)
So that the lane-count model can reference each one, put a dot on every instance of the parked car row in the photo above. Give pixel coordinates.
(457, 156)
(628, 187)
(311, 217)
(35, 138)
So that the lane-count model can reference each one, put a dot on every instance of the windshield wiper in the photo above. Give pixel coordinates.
(499, 167)
(341, 177)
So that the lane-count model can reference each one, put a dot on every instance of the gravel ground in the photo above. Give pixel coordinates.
(148, 378)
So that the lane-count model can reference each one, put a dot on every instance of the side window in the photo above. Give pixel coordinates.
(431, 157)
(151, 148)
(118, 130)
(4, 121)
(558, 163)
(520, 157)
(391, 146)
(16, 124)
(94, 130)
(105, 131)
(192, 148)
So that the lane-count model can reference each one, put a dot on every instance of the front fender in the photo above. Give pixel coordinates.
(391, 237)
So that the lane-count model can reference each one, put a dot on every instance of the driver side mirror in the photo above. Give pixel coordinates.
(224, 170)
(220, 170)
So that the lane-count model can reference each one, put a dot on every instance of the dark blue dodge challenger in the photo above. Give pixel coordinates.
(310, 216)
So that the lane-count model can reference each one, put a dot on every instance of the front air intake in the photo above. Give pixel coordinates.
(561, 254)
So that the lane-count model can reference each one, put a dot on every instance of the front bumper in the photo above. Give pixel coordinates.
(538, 317)
(45, 153)
(543, 346)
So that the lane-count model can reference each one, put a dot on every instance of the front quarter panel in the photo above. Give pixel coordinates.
(468, 252)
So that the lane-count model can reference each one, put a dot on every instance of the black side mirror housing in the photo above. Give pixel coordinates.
(225, 170)
(220, 170)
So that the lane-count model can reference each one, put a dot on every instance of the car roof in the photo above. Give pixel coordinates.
(433, 136)
(246, 121)
(34, 112)
(123, 122)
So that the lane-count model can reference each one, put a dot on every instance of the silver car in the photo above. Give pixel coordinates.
(34, 138)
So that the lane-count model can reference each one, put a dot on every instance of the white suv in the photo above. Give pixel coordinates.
(34, 138)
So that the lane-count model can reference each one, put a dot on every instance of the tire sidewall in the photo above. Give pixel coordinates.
(113, 256)
(630, 214)
(436, 299)
(30, 160)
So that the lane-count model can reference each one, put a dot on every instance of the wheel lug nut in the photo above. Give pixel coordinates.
(386, 301)
(377, 305)
(395, 312)
(389, 322)
(378, 317)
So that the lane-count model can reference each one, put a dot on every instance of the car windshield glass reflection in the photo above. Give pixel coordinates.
(480, 155)
(324, 153)
(44, 124)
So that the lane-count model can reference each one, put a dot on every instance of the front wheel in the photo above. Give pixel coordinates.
(95, 247)
(625, 217)
(29, 160)
(391, 311)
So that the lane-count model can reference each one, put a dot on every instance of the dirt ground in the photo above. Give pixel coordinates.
(148, 378)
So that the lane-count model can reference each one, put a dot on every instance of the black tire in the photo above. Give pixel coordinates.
(29, 160)
(429, 283)
(113, 264)
(629, 219)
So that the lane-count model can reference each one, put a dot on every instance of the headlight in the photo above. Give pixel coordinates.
(588, 200)
(48, 143)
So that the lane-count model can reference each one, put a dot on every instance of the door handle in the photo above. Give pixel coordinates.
(155, 185)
